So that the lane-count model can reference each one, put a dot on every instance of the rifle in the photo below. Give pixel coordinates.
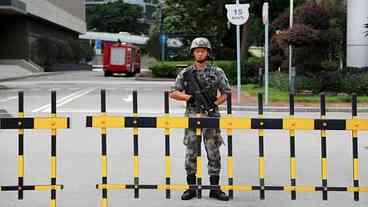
(199, 93)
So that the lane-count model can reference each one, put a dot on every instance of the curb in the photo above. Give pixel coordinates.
(271, 109)
(153, 79)
(29, 76)
(297, 109)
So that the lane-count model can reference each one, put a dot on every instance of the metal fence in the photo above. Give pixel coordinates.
(230, 123)
(167, 122)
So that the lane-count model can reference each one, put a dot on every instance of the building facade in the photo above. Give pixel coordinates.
(357, 42)
(24, 22)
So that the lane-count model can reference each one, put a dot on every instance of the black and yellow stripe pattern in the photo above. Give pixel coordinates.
(355, 149)
(167, 157)
(292, 148)
(261, 156)
(230, 157)
(22, 123)
(290, 123)
(324, 173)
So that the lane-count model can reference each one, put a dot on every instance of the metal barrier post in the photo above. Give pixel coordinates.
(135, 146)
(261, 157)
(167, 158)
(324, 166)
(292, 149)
(355, 149)
(20, 147)
(230, 158)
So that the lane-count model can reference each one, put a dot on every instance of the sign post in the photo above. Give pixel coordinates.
(291, 68)
(266, 51)
(238, 14)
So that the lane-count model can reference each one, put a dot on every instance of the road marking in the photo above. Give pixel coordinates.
(47, 107)
(71, 99)
(54, 89)
(8, 99)
(128, 99)
(121, 82)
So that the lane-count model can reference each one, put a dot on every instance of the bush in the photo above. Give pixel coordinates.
(164, 69)
(249, 71)
(46, 52)
(349, 82)
(330, 65)
(279, 81)
(303, 83)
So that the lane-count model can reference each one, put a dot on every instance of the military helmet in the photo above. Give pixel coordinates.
(200, 42)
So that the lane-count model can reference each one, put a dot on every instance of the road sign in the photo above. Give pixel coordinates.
(237, 14)
(98, 46)
(163, 39)
(265, 13)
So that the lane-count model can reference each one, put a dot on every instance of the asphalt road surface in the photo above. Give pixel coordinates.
(78, 95)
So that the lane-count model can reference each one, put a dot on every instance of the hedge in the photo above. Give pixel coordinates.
(249, 73)
(330, 82)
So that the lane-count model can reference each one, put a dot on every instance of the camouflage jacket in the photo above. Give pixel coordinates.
(212, 77)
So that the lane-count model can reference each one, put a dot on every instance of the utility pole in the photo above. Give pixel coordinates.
(162, 32)
(291, 68)
(266, 51)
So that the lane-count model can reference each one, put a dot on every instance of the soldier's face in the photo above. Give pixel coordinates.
(200, 54)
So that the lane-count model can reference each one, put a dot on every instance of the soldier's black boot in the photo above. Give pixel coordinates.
(190, 193)
(218, 194)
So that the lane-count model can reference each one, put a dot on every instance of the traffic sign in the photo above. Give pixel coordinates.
(163, 39)
(265, 13)
(237, 14)
(98, 47)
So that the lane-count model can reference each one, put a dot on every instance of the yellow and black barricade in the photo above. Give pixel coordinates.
(231, 123)
(22, 123)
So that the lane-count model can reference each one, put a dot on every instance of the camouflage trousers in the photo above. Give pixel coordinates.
(212, 141)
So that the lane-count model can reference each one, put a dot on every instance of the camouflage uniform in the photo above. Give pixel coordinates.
(215, 79)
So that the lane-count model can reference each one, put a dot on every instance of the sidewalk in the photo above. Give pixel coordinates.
(13, 72)
(250, 103)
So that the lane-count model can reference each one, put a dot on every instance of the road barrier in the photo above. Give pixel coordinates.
(230, 123)
(167, 122)
(22, 123)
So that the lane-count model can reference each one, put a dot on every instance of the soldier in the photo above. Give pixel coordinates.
(212, 80)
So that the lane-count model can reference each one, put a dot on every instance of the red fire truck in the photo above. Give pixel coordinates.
(121, 58)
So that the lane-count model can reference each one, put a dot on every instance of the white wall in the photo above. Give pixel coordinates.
(357, 42)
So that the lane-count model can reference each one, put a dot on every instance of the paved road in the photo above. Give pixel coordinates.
(79, 149)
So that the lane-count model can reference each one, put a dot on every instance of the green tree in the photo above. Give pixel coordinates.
(317, 37)
(116, 17)
(205, 17)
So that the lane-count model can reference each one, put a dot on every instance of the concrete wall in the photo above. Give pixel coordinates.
(66, 13)
(357, 42)
(74, 7)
